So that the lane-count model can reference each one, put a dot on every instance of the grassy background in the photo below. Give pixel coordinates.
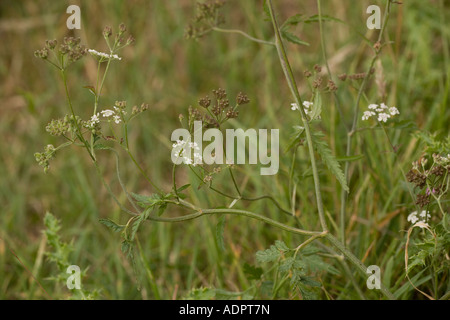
(171, 73)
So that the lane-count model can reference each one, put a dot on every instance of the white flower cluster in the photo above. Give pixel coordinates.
(421, 217)
(382, 111)
(93, 121)
(115, 114)
(182, 150)
(306, 106)
(442, 160)
(104, 55)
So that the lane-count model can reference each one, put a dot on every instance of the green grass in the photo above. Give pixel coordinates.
(170, 73)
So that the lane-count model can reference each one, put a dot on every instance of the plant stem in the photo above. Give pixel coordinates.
(357, 263)
(294, 90)
(127, 149)
(79, 135)
(245, 35)
(203, 212)
(344, 193)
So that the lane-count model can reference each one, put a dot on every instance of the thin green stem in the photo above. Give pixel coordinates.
(325, 58)
(127, 149)
(344, 193)
(108, 188)
(294, 90)
(234, 182)
(244, 34)
(203, 212)
(79, 135)
(356, 262)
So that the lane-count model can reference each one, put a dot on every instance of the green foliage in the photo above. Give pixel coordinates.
(330, 161)
(273, 253)
(297, 266)
(179, 257)
(60, 255)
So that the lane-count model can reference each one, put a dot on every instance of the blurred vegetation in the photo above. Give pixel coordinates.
(170, 73)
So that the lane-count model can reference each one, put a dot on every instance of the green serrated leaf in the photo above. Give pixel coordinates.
(182, 188)
(162, 208)
(314, 263)
(292, 21)
(127, 249)
(112, 225)
(315, 18)
(308, 281)
(330, 161)
(316, 110)
(295, 138)
(268, 255)
(280, 245)
(293, 38)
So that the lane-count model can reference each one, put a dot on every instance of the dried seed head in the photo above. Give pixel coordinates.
(43, 54)
(216, 110)
(417, 178)
(331, 86)
(307, 73)
(205, 102)
(51, 44)
(357, 76)
(130, 40)
(122, 28)
(317, 83)
(342, 77)
(121, 104)
(220, 94)
(223, 104)
(231, 114)
(107, 32)
(317, 68)
(438, 171)
(242, 99)
(144, 107)
(422, 200)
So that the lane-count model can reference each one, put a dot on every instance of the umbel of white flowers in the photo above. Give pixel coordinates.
(382, 112)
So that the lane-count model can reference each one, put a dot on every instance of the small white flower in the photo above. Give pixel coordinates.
(383, 117)
(117, 119)
(383, 106)
(412, 217)
(420, 218)
(104, 55)
(425, 215)
(307, 104)
(367, 115)
(393, 111)
(107, 113)
(373, 106)
(294, 106)
(95, 119)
